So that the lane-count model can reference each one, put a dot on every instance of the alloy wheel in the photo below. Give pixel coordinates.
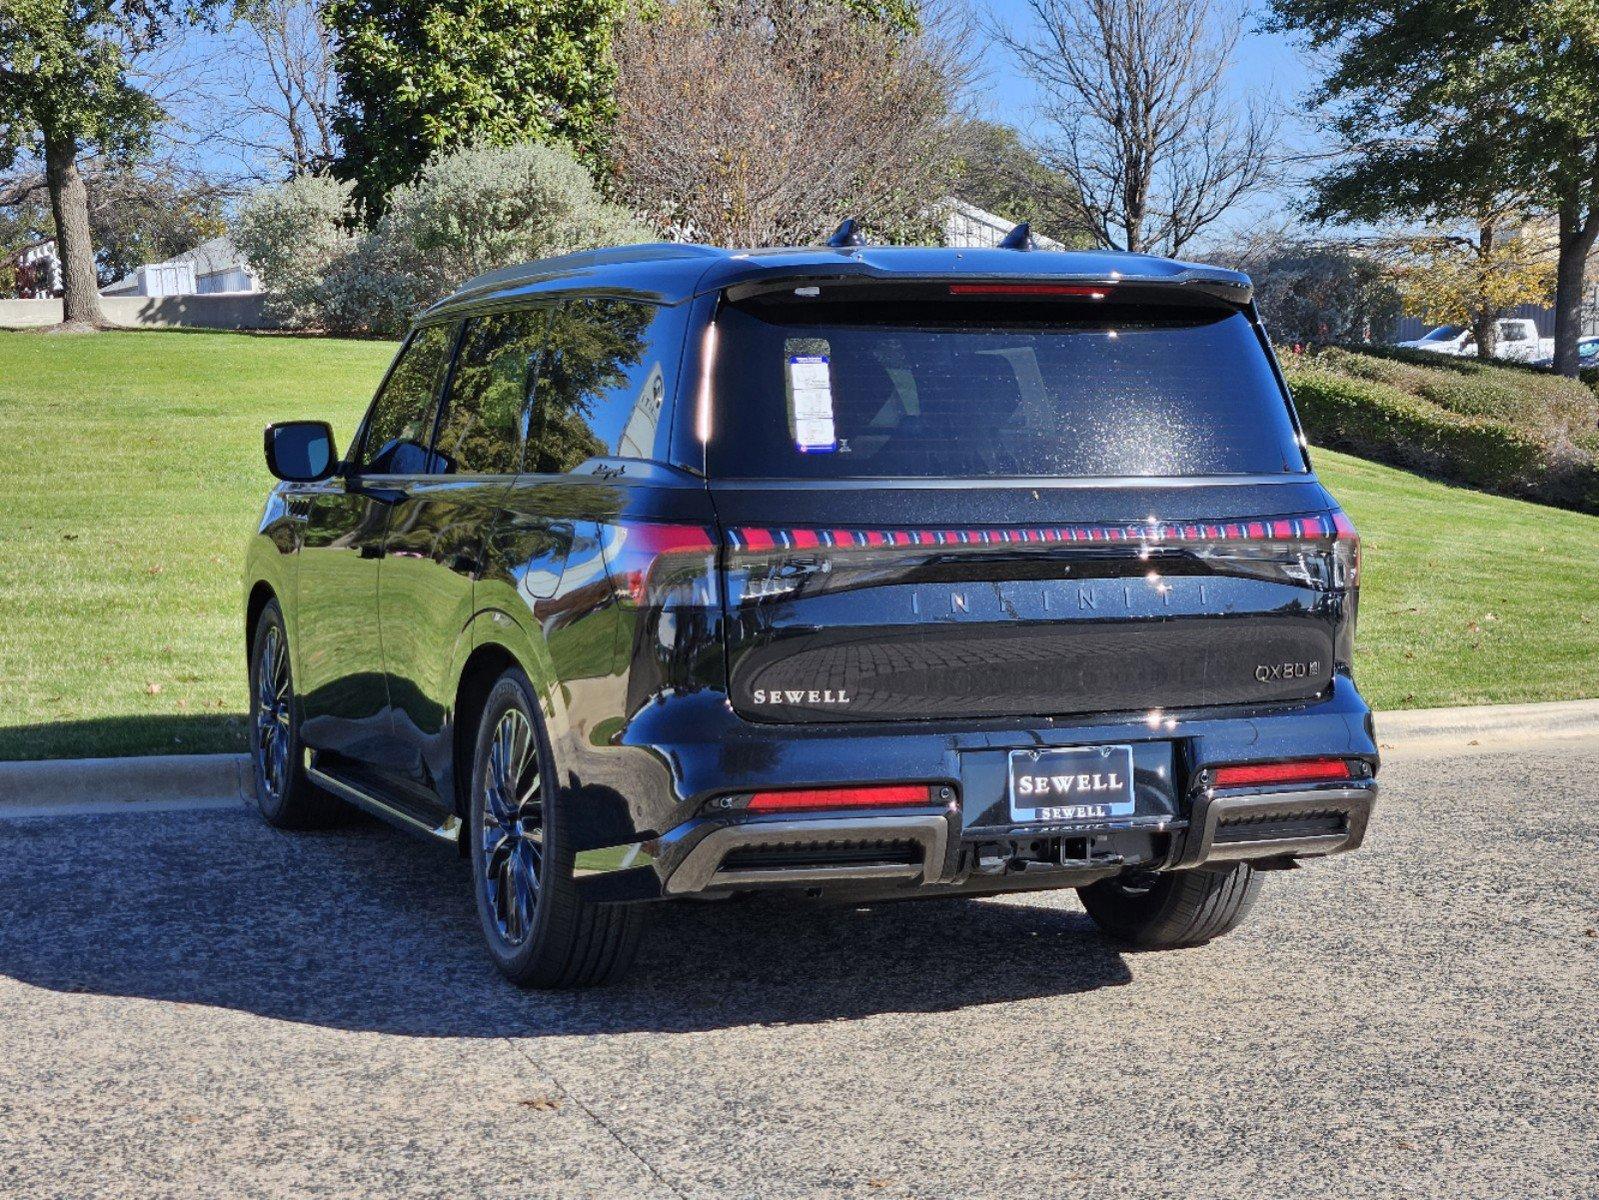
(512, 831)
(273, 699)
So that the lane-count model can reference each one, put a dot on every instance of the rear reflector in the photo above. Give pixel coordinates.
(1085, 291)
(845, 797)
(1313, 770)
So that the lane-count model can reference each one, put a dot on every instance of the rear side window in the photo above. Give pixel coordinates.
(990, 389)
(399, 426)
(485, 417)
(604, 381)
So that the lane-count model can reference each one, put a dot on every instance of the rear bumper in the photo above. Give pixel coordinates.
(685, 840)
(915, 851)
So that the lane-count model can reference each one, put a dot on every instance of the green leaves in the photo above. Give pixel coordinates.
(420, 78)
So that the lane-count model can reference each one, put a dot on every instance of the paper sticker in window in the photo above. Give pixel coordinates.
(810, 403)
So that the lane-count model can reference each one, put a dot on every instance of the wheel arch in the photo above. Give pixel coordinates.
(261, 595)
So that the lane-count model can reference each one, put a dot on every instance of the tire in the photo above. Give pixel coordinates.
(286, 798)
(1178, 908)
(539, 931)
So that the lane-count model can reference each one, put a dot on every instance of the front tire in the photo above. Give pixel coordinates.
(1175, 909)
(286, 798)
(539, 931)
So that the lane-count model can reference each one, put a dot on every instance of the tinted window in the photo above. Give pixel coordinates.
(958, 389)
(400, 425)
(603, 384)
(483, 425)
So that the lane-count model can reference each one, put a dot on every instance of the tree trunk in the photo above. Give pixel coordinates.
(69, 203)
(1484, 322)
(1485, 330)
(1576, 240)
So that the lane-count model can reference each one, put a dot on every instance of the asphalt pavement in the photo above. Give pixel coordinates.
(193, 1005)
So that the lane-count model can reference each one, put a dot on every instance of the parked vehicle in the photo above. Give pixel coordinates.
(856, 572)
(1587, 354)
(1517, 341)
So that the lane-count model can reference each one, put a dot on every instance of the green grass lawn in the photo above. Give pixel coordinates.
(131, 473)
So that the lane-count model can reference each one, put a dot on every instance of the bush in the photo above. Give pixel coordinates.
(1451, 421)
(1316, 294)
(294, 237)
(469, 212)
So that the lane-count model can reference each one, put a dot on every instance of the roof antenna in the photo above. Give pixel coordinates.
(847, 234)
(1020, 238)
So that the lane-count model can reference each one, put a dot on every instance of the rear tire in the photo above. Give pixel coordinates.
(539, 931)
(1179, 908)
(286, 798)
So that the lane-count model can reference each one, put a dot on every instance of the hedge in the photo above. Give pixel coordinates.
(1351, 402)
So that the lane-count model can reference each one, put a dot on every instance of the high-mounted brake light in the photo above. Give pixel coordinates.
(642, 553)
(1310, 770)
(1085, 291)
(841, 797)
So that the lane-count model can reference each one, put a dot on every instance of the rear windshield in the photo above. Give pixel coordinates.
(962, 389)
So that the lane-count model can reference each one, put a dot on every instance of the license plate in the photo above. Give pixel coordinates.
(1082, 783)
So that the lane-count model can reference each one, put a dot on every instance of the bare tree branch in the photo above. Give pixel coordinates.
(1137, 115)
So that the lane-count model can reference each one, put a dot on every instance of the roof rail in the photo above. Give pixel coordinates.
(847, 234)
(1020, 238)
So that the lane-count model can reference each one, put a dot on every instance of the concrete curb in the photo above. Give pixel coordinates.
(93, 785)
(1485, 727)
(195, 781)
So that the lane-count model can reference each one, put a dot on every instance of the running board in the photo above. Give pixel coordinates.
(449, 832)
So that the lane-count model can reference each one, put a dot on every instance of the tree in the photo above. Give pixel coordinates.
(288, 99)
(745, 126)
(1314, 293)
(64, 94)
(1138, 117)
(1449, 109)
(1001, 174)
(1474, 278)
(417, 78)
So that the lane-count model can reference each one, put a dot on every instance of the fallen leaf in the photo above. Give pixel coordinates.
(69, 537)
(542, 1103)
(878, 1183)
(152, 689)
(1590, 933)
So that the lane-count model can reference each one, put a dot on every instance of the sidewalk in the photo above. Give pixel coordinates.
(189, 781)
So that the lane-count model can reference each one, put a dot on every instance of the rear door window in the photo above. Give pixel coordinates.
(399, 427)
(603, 384)
(992, 389)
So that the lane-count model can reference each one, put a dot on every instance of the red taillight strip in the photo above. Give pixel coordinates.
(1314, 525)
(1086, 291)
(1312, 770)
(841, 797)
(632, 556)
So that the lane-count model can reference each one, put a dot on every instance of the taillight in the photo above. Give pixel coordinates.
(1346, 550)
(893, 795)
(1310, 770)
(1082, 291)
(662, 563)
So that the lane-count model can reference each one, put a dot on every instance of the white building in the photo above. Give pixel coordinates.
(211, 268)
(967, 225)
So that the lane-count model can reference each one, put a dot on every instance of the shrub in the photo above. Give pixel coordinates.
(469, 212)
(1316, 294)
(1396, 412)
(294, 237)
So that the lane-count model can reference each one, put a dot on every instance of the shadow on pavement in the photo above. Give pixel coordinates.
(363, 928)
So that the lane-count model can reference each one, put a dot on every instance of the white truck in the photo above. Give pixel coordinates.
(1518, 341)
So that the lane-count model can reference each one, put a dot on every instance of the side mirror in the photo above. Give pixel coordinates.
(300, 451)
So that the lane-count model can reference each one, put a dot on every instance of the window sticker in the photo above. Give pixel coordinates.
(810, 396)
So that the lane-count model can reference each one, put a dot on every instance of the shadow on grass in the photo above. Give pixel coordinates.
(362, 928)
(116, 737)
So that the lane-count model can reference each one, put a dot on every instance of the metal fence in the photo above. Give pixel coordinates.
(1410, 328)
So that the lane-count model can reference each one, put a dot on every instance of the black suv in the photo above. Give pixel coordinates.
(860, 572)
